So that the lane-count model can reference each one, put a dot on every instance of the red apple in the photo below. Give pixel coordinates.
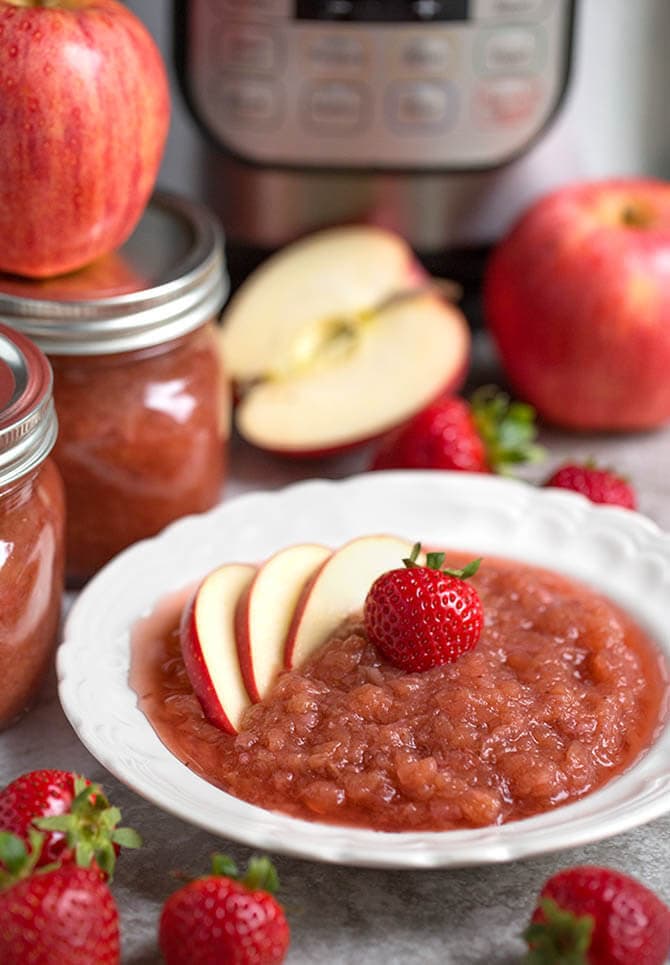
(577, 297)
(84, 114)
(337, 339)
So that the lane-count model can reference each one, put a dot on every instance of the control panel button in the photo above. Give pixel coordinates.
(247, 48)
(417, 107)
(506, 102)
(427, 54)
(250, 103)
(507, 9)
(337, 50)
(508, 50)
(382, 11)
(335, 107)
(254, 8)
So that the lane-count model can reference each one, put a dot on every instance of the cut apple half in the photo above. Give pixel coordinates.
(265, 610)
(331, 274)
(209, 648)
(381, 374)
(337, 590)
(337, 339)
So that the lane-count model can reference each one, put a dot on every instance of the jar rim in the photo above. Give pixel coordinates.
(183, 291)
(28, 424)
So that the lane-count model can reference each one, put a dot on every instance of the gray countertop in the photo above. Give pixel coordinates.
(348, 915)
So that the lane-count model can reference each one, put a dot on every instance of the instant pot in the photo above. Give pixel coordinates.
(387, 111)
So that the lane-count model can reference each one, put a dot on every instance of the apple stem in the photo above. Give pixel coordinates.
(635, 216)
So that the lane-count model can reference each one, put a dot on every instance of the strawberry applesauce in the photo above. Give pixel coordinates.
(562, 693)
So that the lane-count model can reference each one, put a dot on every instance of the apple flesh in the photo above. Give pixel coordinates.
(337, 590)
(328, 349)
(209, 648)
(265, 610)
(84, 114)
(577, 298)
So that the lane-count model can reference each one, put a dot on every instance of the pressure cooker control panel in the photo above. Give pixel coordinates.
(398, 84)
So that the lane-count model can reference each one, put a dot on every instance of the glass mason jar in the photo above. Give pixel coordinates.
(142, 401)
(32, 524)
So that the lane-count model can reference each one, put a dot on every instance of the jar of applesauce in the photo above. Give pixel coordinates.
(32, 524)
(142, 400)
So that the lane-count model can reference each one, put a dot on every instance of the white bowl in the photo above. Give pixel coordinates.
(616, 551)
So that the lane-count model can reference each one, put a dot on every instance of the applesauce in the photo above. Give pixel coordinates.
(32, 524)
(562, 693)
(141, 396)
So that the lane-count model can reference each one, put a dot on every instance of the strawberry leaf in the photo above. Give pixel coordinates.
(126, 838)
(435, 561)
(17, 861)
(84, 854)
(261, 875)
(562, 937)
(411, 560)
(224, 866)
(13, 852)
(91, 828)
(57, 822)
(506, 428)
(467, 571)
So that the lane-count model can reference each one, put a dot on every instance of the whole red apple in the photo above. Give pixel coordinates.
(84, 113)
(577, 297)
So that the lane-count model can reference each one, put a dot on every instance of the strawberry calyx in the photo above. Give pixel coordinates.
(435, 561)
(506, 428)
(91, 828)
(260, 875)
(560, 938)
(17, 861)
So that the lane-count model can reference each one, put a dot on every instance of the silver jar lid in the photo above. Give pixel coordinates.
(28, 426)
(166, 280)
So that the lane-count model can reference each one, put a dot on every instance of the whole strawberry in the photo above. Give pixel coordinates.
(488, 434)
(598, 485)
(225, 919)
(74, 814)
(65, 915)
(420, 617)
(596, 916)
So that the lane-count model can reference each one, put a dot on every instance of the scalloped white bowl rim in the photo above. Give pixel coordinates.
(618, 552)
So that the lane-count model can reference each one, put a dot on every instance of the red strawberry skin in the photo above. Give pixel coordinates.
(61, 917)
(598, 485)
(35, 795)
(420, 618)
(631, 924)
(218, 921)
(441, 436)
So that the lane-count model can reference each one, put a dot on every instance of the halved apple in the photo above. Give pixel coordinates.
(265, 610)
(337, 339)
(208, 645)
(337, 590)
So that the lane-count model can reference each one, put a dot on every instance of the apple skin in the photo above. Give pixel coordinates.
(197, 671)
(84, 115)
(577, 298)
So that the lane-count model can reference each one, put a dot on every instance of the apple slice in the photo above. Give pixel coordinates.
(207, 636)
(337, 339)
(338, 589)
(265, 611)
